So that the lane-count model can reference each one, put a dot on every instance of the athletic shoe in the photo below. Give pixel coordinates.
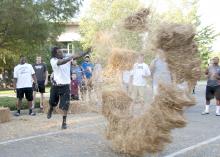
(49, 114)
(217, 114)
(64, 126)
(32, 114)
(17, 114)
(205, 113)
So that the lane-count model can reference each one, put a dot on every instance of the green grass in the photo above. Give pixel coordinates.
(11, 103)
(12, 91)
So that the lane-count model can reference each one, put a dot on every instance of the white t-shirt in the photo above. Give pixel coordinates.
(23, 73)
(139, 70)
(126, 76)
(61, 73)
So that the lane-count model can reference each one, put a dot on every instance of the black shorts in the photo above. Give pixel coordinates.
(27, 91)
(60, 94)
(41, 87)
(212, 92)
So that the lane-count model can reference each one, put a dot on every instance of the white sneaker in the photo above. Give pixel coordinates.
(205, 113)
(217, 114)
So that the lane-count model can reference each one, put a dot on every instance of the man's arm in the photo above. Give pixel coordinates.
(35, 79)
(76, 56)
(46, 80)
(14, 83)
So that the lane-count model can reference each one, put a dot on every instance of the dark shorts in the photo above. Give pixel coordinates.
(27, 91)
(60, 94)
(212, 92)
(41, 87)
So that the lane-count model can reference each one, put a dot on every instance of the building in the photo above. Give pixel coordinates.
(70, 37)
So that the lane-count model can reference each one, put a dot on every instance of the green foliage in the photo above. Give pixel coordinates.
(107, 16)
(28, 26)
(11, 103)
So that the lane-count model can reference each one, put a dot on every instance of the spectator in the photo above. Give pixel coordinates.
(139, 74)
(42, 80)
(97, 81)
(23, 74)
(125, 77)
(159, 71)
(60, 89)
(78, 70)
(74, 87)
(213, 86)
(87, 68)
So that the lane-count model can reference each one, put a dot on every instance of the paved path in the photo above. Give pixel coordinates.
(201, 138)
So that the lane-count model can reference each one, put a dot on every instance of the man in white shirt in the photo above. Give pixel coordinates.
(60, 90)
(23, 75)
(139, 74)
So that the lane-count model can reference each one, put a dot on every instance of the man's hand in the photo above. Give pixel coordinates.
(36, 86)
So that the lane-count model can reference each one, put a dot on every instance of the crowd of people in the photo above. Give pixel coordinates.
(70, 81)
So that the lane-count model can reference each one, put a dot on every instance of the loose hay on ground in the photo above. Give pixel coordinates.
(5, 115)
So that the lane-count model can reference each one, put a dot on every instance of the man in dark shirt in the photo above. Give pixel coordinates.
(42, 79)
(213, 86)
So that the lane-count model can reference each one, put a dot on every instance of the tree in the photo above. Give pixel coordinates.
(106, 16)
(28, 25)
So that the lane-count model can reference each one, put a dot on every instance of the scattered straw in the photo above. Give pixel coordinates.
(137, 21)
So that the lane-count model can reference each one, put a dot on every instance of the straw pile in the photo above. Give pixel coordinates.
(181, 52)
(121, 59)
(138, 21)
(75, 107)
(5, 115)
(151, 131)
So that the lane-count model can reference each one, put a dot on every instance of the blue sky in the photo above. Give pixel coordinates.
(209, 11)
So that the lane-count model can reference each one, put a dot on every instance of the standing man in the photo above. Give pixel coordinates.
(88, 68)
(213, 86)
(42, 80)
(139, 74)
(60, 90)
(23, 75)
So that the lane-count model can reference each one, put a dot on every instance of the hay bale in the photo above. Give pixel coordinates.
(5, 115)
(137, 21)
(121, 59)
(170, 36)
(149, 132)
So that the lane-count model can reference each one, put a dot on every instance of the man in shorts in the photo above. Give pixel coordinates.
(213, 86)
(23, 75)
(60, 89)
(42, 80)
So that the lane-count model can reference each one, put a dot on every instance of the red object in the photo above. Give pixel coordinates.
(74, 87)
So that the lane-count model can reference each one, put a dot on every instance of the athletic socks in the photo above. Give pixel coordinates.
(64, 119)
(207, 108)
(217, 110)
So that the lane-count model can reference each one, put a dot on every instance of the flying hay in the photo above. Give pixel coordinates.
(149, 132)
(137, 21)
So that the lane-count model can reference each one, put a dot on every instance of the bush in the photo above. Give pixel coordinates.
(11, 103)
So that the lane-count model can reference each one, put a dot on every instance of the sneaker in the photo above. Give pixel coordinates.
(205, 113)
(49, 114)
(32, 114)
(17, 114)
(64, 126)
(217, 114)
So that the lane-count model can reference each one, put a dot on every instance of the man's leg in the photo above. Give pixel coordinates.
(53, 101)
(217, 96)
(20, 95)
(41, 100)
(29, 97)
(64, 103)
(209, 96)
(34, 97)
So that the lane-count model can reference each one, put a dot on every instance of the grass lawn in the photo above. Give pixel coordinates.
(11, 103)
(12, 91)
